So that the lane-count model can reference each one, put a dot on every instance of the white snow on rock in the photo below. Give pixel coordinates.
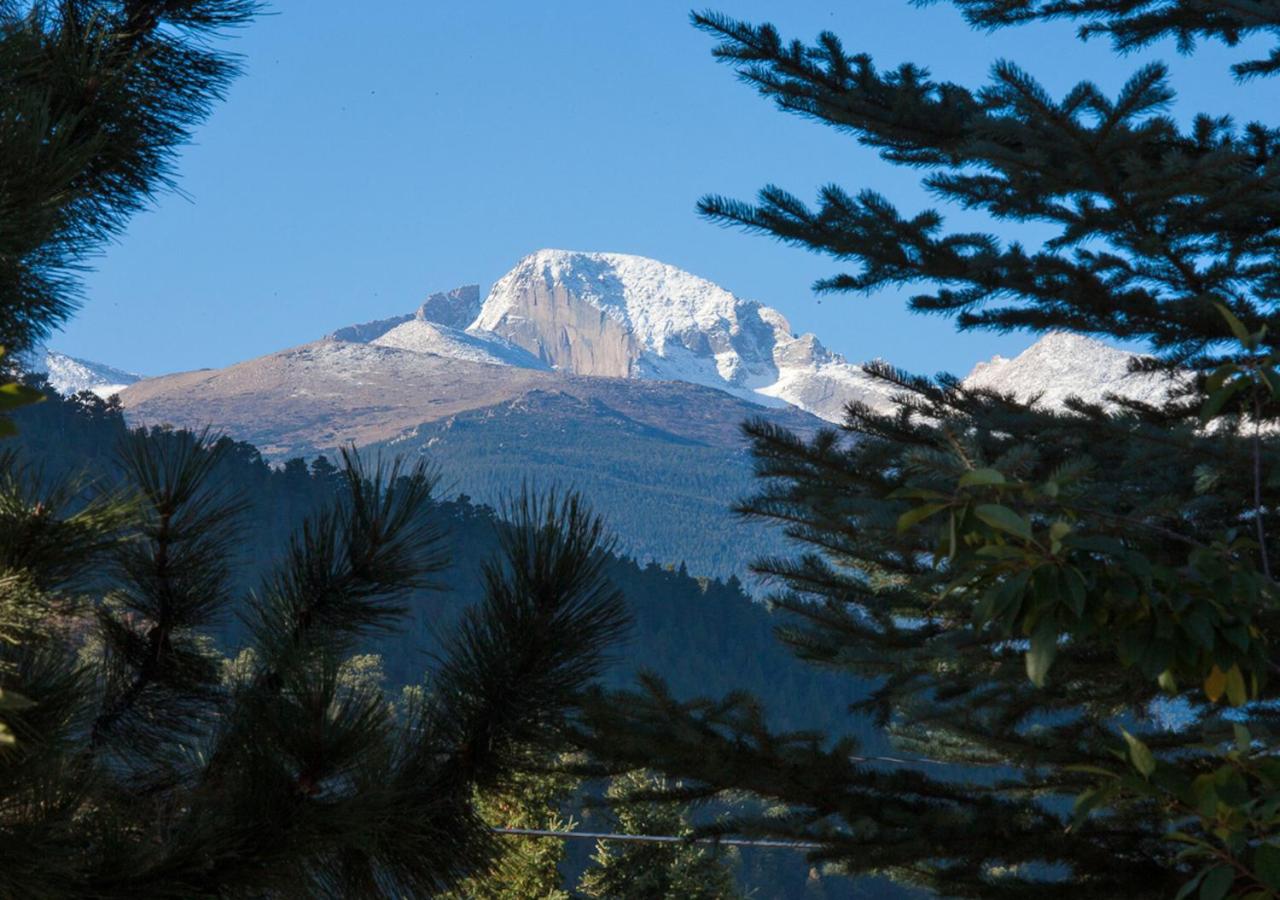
(427, 337)
(1062, 365)
(622, 316)
(69, 375)
(626, 316)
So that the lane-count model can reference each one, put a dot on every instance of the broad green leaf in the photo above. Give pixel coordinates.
(1236, 693)
(1044, 647)
(1140, 754)
(1236, 326)
(1000, 551)
(1086, 803)
(1213, 405)
(1216, 883)
(1219, 377)
(1190, 886)
(13, 395)
(1271, 378)
(917, 515)
(1266, 864)
(1244, 740)
(1215, 684)
(977, 477)
(1003, 519)
(1167, 682)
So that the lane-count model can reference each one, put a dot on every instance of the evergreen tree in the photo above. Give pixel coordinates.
(95, 98)
(1073, 608)
(147, 767)
(527, 867)
(639, 871)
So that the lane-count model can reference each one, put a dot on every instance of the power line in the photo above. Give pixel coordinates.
(657, 839)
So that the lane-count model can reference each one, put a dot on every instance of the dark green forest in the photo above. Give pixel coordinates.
(705, 636)
(661, 493)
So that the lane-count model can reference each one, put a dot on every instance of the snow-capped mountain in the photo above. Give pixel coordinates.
(621, 316)
(68, 375)
(631, 317)
(1061, 365)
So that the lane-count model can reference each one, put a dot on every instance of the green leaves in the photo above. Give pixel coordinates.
(981, 477)
(1044, 648)
(1237, 327)
(1266, 865)
(1140, 755)
(1231, 682)
(1004, 519)
(1218, 397)
(917, 515)
(1252, 371)
(1216, 883)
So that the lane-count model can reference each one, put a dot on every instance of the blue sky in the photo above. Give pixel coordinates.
(374, 152)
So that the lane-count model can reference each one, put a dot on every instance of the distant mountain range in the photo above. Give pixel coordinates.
(620, 375)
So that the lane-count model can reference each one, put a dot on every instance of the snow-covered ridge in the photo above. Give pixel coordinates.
(624, 316)
(1061, 365)
(69, 375)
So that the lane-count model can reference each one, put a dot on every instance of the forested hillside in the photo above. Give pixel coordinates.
(706, 636)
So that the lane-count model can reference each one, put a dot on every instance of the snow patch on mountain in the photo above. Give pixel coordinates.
(427, 337)
(1062, 365)
(69, 375)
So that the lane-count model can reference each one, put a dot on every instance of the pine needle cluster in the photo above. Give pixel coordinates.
(146, 765)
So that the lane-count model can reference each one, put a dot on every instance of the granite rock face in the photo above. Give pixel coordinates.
(457, 308)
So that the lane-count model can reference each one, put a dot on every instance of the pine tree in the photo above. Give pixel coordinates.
(1074, 610)
(95, 98)
(638, 871)
(528, 867)
(145, 766)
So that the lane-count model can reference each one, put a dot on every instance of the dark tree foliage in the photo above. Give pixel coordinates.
(704, 635)
(146, 766)
(1077, 605)
(1136, 23)
(95, 98)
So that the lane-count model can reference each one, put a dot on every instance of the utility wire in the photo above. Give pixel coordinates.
(657, 838)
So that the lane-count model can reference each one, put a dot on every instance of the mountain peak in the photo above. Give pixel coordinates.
(626, 316)
(597, 313)
(1063, 364)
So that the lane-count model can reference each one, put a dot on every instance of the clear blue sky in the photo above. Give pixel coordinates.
(374, 152)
